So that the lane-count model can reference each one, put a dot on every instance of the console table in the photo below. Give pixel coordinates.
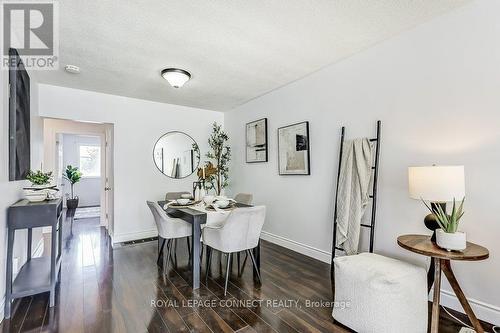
(37, 275)
(422, 244)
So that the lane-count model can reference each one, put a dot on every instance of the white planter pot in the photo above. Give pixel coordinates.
(451, 241)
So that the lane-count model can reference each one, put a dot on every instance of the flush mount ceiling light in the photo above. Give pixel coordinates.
(175, 76)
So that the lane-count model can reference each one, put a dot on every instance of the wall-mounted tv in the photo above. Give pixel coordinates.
(19, 118)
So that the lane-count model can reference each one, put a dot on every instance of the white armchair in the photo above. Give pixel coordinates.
(240, 232)
(169, 229)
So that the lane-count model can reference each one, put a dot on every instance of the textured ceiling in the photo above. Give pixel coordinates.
(235, 50)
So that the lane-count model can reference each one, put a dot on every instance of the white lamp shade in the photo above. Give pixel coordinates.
(437, 183)
(176, 77)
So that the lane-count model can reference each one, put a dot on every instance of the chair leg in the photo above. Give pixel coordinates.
(165, 257)
(209, 262)
(170, 245)
(238, 258)
(160, 251)
(175, 252)
(228, 269)
(254, 265)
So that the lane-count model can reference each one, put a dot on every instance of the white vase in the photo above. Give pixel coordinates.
(451, 241)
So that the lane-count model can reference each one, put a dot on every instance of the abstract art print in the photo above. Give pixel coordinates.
(256, 141)
(293, 149)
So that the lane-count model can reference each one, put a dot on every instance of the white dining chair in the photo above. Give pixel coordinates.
(169, 229)
(244, 198)
(169, 196)
(240, 232)
(175, 195)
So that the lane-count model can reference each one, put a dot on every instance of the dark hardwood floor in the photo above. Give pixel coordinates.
(122, 290)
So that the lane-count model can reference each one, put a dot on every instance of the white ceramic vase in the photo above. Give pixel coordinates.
(451, 241)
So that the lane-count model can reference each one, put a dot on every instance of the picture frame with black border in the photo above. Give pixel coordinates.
(258, 150)
(294, 156)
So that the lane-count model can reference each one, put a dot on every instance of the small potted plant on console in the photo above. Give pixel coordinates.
(40, 186)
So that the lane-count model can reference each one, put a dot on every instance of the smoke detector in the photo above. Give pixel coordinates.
(72, 69)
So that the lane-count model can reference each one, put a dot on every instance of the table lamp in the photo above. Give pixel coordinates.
(437, 185)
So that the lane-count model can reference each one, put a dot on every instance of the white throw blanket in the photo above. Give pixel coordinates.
(352, 198)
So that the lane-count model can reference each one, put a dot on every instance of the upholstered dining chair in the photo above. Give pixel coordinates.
(169, 229)
(172, 196)
(244, 198)
(240, 232)
(175, 195)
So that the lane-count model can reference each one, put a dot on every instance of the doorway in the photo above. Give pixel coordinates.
(88, 147)
(84, 153)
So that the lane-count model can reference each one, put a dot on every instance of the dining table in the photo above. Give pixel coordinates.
(198, 215)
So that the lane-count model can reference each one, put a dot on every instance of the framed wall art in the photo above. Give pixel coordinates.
(293, 149)
(256, 141)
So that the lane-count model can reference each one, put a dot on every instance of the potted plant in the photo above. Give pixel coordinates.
(448, 237)
(39, 178)
(217, 168)
(40, 186)
(72, 175)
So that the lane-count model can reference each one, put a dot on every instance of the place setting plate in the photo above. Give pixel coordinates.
(231, 206)
(175, 204)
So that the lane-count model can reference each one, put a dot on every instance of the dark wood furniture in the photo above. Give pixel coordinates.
(37, 275)
(196, 218)
(422, 244)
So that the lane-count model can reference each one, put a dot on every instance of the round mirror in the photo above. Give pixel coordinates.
(176, 155)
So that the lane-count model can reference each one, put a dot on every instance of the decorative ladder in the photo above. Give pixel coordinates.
(373, 196)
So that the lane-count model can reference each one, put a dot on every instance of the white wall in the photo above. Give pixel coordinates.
(436, 89)
(88, 189)
(11, 192)
(137, 126)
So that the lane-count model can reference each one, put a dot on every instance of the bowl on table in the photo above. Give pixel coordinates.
(208, 199)
(222, 203)
(182, 201)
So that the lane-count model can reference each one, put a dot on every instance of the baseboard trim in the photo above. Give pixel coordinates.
(483, 311)
(130, 236)
(304, 249)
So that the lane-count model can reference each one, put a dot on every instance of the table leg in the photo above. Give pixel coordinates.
(30, 240)
(195, 251)
(53, 256)
(8, 280)
(461, 297)
(435, 301)
(430, 275)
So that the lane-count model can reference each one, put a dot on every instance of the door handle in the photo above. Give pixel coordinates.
(107, 189)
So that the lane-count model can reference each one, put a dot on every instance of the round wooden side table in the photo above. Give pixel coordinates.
(440, 259)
